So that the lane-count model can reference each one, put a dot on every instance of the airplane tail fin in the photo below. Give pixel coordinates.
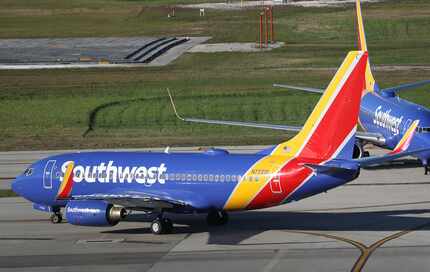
(329, 131)
(404, 143)
(362, 46)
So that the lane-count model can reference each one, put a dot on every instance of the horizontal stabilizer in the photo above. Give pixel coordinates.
(333, 167)
(406, 86)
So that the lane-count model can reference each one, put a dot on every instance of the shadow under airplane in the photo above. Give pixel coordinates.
(244, 225)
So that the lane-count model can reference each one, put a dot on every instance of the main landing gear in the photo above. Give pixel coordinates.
(425, 165)
(56, 217)
(161, 225)
(217, 218)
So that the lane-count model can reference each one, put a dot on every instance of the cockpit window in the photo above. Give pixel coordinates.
(423, 129)
(28, 172)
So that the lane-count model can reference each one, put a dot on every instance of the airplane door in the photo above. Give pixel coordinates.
(48, 174)
(275, 184)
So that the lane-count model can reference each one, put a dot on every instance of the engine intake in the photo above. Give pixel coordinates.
(93, 213)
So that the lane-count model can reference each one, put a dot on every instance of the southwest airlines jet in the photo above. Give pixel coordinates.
(384, 116)
(100, 188)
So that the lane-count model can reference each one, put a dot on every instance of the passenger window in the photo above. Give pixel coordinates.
(211, 178)
(227, 178)
(194, 177)
(221, 178)
(205, 178)
(216, 178)
(200, 177)
(183, 177)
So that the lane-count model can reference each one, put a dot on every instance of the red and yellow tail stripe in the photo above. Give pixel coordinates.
(404, 143)
(67, 183)
(328, 128)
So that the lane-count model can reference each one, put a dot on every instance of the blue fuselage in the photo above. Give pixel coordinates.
(203, 180)
(391, 116)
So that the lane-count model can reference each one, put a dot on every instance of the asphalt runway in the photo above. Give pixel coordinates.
(380, 222)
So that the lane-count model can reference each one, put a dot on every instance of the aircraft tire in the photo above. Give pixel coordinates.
(217, 218)
(161, 226)
(56, 218)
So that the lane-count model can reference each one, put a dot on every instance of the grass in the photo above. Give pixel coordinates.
(7, 193)
(51, 108)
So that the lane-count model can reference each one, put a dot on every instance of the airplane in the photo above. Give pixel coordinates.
(101, 188)
(384, 116)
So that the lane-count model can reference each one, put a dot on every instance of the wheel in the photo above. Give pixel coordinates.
(161, 226)
(168, 224)
(56, 218)
(157, 226)
(217, 218)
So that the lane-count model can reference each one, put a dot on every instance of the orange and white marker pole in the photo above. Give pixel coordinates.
(261, 30)
(266, 18)
(272, 32)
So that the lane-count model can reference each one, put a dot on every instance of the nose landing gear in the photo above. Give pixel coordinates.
(56, 218)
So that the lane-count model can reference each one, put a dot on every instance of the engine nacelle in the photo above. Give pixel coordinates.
(93, 213)
(359, 151)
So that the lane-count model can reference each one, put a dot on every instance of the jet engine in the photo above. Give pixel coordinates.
(359, 151)
(93, 213)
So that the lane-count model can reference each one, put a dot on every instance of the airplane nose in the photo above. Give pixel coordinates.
(17, 186)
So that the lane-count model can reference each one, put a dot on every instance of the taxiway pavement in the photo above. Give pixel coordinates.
(380, 222)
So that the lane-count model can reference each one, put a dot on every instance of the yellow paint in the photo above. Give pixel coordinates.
(407, 135)
(66, 176)
(370, 81)
(290, 148)
(247, 190)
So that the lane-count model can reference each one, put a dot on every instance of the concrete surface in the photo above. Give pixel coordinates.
(234, 5)
(233, 47)
(60, 53)
(380, 222)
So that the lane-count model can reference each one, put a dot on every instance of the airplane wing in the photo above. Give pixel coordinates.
(305, 89)
(394, 89)
(375, 160)
(407, 86)
(376, 138)
(150, 199)
(232, 123)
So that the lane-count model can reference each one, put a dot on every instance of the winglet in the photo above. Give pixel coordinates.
(362, 45)
(404, 143)
(173, 106)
